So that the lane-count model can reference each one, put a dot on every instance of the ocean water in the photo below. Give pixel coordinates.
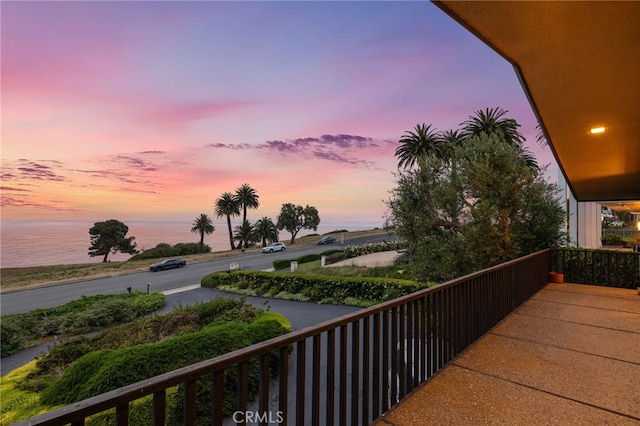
(61, 243)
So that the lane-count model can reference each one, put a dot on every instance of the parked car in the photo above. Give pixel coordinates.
(274, 247)
(326, 240)
(167, 264)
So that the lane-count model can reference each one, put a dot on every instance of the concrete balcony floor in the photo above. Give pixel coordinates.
(569, 355)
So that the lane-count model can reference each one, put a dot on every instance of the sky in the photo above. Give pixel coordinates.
(150, 111)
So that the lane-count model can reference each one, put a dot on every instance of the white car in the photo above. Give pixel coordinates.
(274, 247)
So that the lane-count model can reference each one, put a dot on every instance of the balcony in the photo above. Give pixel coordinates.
(568, 355)
(563, 349)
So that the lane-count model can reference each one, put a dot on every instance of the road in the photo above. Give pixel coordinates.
(164, 281)
(173, 282)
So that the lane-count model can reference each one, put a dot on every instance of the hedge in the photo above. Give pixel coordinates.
(613, 240)
(317, 288)
(286, 263)
(105, 370)
(167, 250)
(83, 315)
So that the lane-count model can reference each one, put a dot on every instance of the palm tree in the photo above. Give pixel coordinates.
(416, 145)
(452, 139)
(202, 225)
(266, 231)
(492, 121)
(244, 233)
(227, 206)
(246, 197)
(541, 137)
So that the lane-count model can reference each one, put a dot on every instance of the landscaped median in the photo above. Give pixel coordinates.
(86, 366)
(356, 291)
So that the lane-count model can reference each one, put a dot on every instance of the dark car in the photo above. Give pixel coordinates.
(167, 264)
(326, 240)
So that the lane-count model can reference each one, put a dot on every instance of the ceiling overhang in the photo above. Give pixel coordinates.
(579, 64)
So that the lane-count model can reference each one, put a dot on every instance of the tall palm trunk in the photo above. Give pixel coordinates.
(201, 241)
(230, 232)
(244, 243)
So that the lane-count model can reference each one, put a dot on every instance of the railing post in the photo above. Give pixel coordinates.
(355, 371)
(190, 403)
(159, 408)
(331, 374)
(122, 415)
(301, 347)
(315, 381)
(366, 373)
(217, 397)
(263, 387)
(283, 385)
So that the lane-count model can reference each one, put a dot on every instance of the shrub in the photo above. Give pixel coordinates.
(309, 258)
(182, 320)
(191, 248)
(286, 263)
(279, 264)
(79, 316)
(318, 288)
(163, 250)
(105, 370)
(612, 240)
(354, 251)
(335, 257)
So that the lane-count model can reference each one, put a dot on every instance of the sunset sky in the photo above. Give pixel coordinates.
(151, 110)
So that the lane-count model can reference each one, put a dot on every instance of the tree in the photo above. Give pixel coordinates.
(244, 233)
(246, 197)
(266, 231)
(227, 206)
(494, 177)
(110, 237)
(480, 206)
(203, 225)
(492, 121)
(293, 218)
(417, 144)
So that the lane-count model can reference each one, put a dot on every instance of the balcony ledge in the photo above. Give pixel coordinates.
(569, 355)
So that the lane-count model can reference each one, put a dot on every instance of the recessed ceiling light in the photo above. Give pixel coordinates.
(595, 130)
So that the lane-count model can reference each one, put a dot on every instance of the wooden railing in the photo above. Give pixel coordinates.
(345, 371)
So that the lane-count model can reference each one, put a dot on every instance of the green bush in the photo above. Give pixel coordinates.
(286, 263)
(612, 240)
(308, 258)
(335, 257)
(180, 321)
(191, 248)
(76, 317)
(105, 370)
(279, 264)
(323, 289)
(164, 250)
(610, 268)
(354, 251)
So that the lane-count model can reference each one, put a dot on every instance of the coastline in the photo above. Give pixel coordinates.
(21, 278)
